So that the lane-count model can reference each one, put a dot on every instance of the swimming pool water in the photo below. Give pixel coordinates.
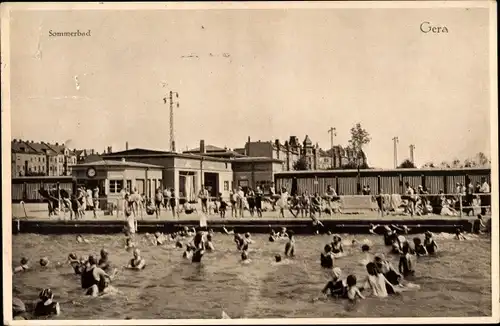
(455, 283)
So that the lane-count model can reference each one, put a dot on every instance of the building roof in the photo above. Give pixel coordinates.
(208, 149)
(116, 163)
(43, 148)
(20, 146)
(141, 152)
(307, 141)
(247, 159)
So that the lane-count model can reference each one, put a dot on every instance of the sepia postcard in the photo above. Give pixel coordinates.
(250, 163)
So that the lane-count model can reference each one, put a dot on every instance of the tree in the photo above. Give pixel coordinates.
(444, 165)
(301, 164)
(359, 138)
(482, 159)
(456, 163)
(429, 165)
(407, 164)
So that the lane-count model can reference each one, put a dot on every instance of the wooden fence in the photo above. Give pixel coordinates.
(350, 182)
(26, 188)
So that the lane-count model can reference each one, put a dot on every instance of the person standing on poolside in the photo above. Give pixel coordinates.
(203, 195)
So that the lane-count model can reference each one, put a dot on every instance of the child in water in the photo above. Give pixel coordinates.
(290, 245)
(335, 288)
(75, 263)
(44, 262)
(377, 282)
(459, 235)
(23, 266)
(47, 306)
(337, 248)
(353, 291)
(430, 244)
(244, 257)
(406, 266)
(327, 257)
(209, 244)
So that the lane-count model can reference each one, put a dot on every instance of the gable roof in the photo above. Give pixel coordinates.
(116, 163)
(22, 147)
(43, 149)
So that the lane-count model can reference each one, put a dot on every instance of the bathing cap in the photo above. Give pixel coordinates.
(24, 261)
(401, 238)
(336, 272)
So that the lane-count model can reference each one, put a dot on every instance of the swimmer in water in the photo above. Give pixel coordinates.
(419, 247)
(188, 253)
(238, 239)
(459, 235)
(44, 262)
(81, 239)
(23, 267)
(377, 282)
(272, 234)
(277, 258)
(430, 244)
(335, 287)
(199, 247)
(179, 245)
(353, 292)
(244, 257)
(75, 263)
(248, 240)
(365, 249)
(337, 245)
(130, 244)
(159, 239)
(137, 262)
(390, 273)
(94, 279)
(209, 244)
(104, 262)
(283, 233)
(406, 266)
(327, 257)
(290, 245)
(47, 306)
(478, 225)
(226, 231)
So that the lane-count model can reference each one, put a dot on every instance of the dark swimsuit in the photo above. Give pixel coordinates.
(45, 310)
(326, 261)
(405, 262)
(135, 263)
(337, 289)
(430, 247)
(420, 250)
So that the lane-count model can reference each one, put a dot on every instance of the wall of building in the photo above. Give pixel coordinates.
(253, 174)
(259, 149)
(35, 162)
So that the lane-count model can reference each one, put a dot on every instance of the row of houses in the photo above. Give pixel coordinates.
(29, 158)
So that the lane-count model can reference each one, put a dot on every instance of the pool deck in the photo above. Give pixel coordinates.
(339, 223)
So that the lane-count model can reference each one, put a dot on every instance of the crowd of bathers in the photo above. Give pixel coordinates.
(96, 274)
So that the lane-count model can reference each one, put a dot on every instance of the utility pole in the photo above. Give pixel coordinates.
(171, 103)
(412, 149)
(396, 141)
(333, 133)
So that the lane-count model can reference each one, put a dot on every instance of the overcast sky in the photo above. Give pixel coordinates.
(262, 73)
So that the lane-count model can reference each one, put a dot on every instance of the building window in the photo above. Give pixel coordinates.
(129, 185)
(226, 185)
(115, 186)
(18, 168)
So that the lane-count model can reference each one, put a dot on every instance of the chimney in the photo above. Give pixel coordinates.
(57, 144)
(202, 147)
(92, 152)
(110, 149)
(126, 146)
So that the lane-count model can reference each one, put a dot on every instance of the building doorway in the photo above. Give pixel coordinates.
(211, 182)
